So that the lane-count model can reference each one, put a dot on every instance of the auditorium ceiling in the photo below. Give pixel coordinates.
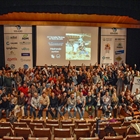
(24, 18)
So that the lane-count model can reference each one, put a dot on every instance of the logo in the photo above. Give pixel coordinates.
(119, 52)
(103, 57)
(138, 81)
(52, 56)
(11, 48)
(7, 37)
(114, 31)
(25, 49)
(25, 66)
(25, 60)
(25, 54)
(12, 66)
(13, 43)
(24, 43)
(7, 43)
(119, 46)
(11, 53)
(118, 58)
(25, 37)
(12, 59)
(58, 55)
(13, 37)
(18, 28)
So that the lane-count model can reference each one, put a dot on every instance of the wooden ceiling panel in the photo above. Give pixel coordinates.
(44, 18)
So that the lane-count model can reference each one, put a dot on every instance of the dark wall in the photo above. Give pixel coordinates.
(133, 47)
(132, 54)
(2, 57)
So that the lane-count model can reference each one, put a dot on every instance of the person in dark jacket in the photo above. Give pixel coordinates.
(53, 106)
(62, 104)
(90, 103)
(4, 106)
(1, 80)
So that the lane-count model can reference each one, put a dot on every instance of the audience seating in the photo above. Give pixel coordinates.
(52, 126)
(38, 121)
(23, 132)
(133, 137)
(126, 123)
(84, 125)
(113, 138)
(64, 138)
(81, 133)
(52, 121)
(6, 131)
(12, 138)
(62, 133)
(20, 124)
(70, 126)
(25, 120)
(6, 124)
(36, 138)
(89, 138)
(115, 124)
(121, 130)
(66, 121)
(79, 121)
(42, 132)
(35, 125)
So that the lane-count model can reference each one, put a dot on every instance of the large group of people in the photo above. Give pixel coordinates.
(69, 89)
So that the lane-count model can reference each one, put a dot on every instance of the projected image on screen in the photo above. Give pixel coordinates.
(78, 46)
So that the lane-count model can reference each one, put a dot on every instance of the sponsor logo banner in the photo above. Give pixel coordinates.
(25, 49)
(119, 52)
(12, 59)
(25, 37)
(25, 54)
(11, 48)
(24, 43)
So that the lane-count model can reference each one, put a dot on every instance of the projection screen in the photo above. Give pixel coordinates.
(57, 45)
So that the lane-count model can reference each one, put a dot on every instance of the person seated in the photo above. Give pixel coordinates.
(90, 103)
(53, 106)
(45, 102)
(107, 109)
(4, 107)
(81, 102)
(13, 102)
(62, 104)
(72, 105)
(20, 104)
(136, 99)
(27, 105)
(35, 104)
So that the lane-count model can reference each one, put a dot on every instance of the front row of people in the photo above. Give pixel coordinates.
(61, 104)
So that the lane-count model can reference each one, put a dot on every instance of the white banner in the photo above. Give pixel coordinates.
(113, 46)
(136, 84)
(18, 46)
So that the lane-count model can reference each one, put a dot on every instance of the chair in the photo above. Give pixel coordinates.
(102, 125)
(12, 138)
(35, 125)
(113, 138)
(36, 138)
(126, 123)
(115, 124)
(62, 133)
(79, 121)
(82, 133)
(52, 121)
(66, 121)
(84, 125)
(6, 131)
(6, 124)
(20, 124)
(38, 121)
(89, 138)
(120, 120)
(25, 120)
(70, 126)
(64, 138)
(121, 130)
(52, 126)
(92, 122)
(24, 132)
(42, 132)
(133, 137)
